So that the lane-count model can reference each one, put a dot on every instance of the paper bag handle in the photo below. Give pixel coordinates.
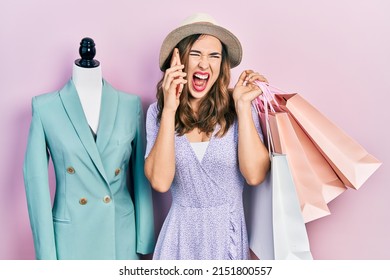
(264, 103)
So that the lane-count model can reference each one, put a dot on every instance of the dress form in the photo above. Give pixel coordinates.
(87, 78)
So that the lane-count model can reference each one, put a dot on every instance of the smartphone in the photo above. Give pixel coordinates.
(176, 55)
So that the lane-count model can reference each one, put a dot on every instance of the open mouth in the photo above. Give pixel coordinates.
(199, 81)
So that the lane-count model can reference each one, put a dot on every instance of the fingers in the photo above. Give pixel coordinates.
(247, 96)
(174, 79)
(175, 82)
(249, 92)
(175, 60)
(248, 77)
(173, 72)
(179, 89)
(178, 85)
(251, 95)
(246, 89)
(242, 79)
(252, 76)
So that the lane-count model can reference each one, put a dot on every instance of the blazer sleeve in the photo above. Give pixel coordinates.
(142, 190)
(36, 181)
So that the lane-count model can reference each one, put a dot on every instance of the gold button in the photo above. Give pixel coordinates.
(117, 171)
(107, 199)
(83, 201)
(70, 170)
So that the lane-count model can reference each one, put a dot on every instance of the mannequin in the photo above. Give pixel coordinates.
(102, 207)
(87, 78)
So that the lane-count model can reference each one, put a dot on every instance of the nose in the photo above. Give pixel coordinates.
(204, 62)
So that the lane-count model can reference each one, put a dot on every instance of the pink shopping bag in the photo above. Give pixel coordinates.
(352, 163)
(315, 180)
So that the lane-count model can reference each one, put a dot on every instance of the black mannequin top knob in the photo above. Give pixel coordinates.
(87, 52)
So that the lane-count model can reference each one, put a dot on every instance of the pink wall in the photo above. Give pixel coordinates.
(336, 54)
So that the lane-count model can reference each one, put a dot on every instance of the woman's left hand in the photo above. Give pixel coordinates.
(253, 157)
(246, 90)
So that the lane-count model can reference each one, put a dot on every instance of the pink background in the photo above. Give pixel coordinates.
(335, 53)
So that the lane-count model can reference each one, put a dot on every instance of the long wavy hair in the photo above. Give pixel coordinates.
(216, 107)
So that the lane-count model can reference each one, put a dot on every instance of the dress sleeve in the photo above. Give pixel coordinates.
(151, 127)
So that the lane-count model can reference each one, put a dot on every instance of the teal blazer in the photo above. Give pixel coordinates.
(102, 206)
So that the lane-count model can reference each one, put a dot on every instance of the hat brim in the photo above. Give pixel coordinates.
(231, 42)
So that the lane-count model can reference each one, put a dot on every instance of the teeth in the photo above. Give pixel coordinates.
(202, 77)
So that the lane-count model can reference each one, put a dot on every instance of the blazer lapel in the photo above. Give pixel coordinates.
(74, 109)
(108, 113)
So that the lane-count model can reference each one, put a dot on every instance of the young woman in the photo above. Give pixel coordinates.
(204, 143)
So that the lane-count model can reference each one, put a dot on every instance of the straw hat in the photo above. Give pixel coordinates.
(202, 24)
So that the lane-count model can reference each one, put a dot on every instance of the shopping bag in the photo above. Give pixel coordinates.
(314, 178)
(276, 229)
(258, 216)
(332, 186)
(352, 163)
(308, 186)
(316, 182)
(289, 230)
(290, 240)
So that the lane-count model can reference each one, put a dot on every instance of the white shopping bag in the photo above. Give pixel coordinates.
(289, 229)
(258, 214)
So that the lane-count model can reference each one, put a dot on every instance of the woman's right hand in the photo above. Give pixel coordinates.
(160, 164)
(174, 80)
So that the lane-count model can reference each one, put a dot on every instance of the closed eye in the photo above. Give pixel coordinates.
(214, 55)
(193, 53)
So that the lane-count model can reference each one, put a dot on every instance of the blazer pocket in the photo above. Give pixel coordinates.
(61, 221)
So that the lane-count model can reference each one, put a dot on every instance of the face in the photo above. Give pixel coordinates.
(204, 66)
